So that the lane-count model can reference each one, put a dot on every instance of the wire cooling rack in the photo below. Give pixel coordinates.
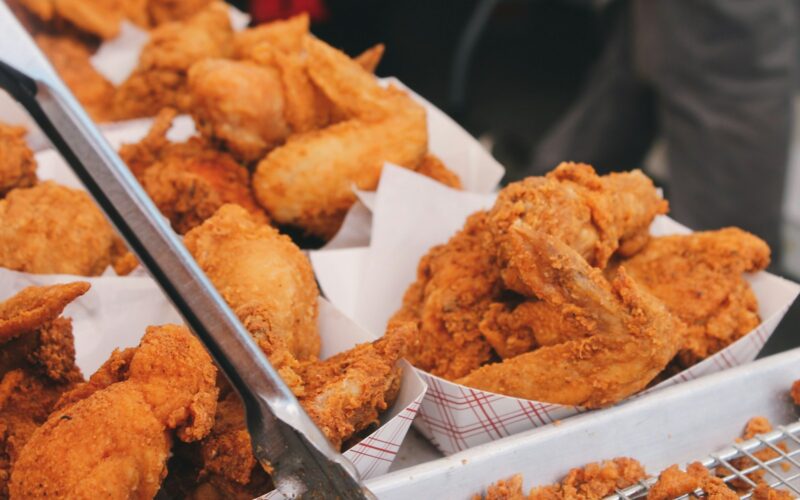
(781, 471)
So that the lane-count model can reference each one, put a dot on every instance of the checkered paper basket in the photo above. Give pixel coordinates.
(455, 417)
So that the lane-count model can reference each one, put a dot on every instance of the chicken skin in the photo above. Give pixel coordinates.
(113, 435)
(631, 335)
(269, 285)
(52, 229)
(188, 181)
(699, 278)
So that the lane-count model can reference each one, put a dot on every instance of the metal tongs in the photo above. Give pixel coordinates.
(285, 440)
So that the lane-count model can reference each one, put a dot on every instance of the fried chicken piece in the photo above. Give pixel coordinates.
(674, 483)
(18, 168)
(594, 481)
(431, 166)
(764, 492)
(308, 181)
(239, 104)
(505, 489)
(101, 18)
(188, 181)
(52, 229)
(37, 364)
(343, 396)
(116, 441)
(70, 58)
(286, 36)
(455, 286)
(699, 278)
(508, 328)
(596, 216)
(164, 11)
(160, 78)
(632, 335)
(269, 284)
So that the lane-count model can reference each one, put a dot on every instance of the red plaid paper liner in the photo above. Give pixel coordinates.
(455, 417)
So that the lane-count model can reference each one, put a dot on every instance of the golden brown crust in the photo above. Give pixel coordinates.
(18, 168)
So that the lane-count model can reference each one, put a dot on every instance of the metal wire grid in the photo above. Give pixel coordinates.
(781, 472)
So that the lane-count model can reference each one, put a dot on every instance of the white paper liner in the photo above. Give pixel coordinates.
(412, 214)
(675, 426)
(115, 312)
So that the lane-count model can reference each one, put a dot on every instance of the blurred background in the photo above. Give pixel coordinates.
(508, 70)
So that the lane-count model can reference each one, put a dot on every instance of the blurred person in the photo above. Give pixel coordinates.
(714, 79)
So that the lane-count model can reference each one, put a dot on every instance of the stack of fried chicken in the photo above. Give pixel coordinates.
(558, 293)
(309, 122)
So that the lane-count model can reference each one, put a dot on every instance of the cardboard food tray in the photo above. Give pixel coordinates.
(114, 313)
(455, 417)
(676, 425)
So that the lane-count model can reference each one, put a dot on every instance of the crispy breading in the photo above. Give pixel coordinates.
(699, 278)
(18, 168)
(35, 306)
(160, 78)
(52, 229)
(116, 441)
(269, 285)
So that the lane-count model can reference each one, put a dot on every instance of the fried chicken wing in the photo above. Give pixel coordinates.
(18, 168)
(699, 278)
(343, 396)
(52, 229)
(116, 440)
(371, 58)
(455, 285)
(267, 281)
(37, 364)
(286, 36)
(188, 181)
(308, 181)
(70, 58)
(596, 216)
(632, 338)
(160, 78)
(431, 166)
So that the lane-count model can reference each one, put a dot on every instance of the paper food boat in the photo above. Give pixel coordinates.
(675, 426)
(410, 215)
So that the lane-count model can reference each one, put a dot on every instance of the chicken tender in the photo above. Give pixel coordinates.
(116, 440)
(267, 281)
(160, 78)
(18, 168)
(633, 336)
(699, 278)
(52, 229)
